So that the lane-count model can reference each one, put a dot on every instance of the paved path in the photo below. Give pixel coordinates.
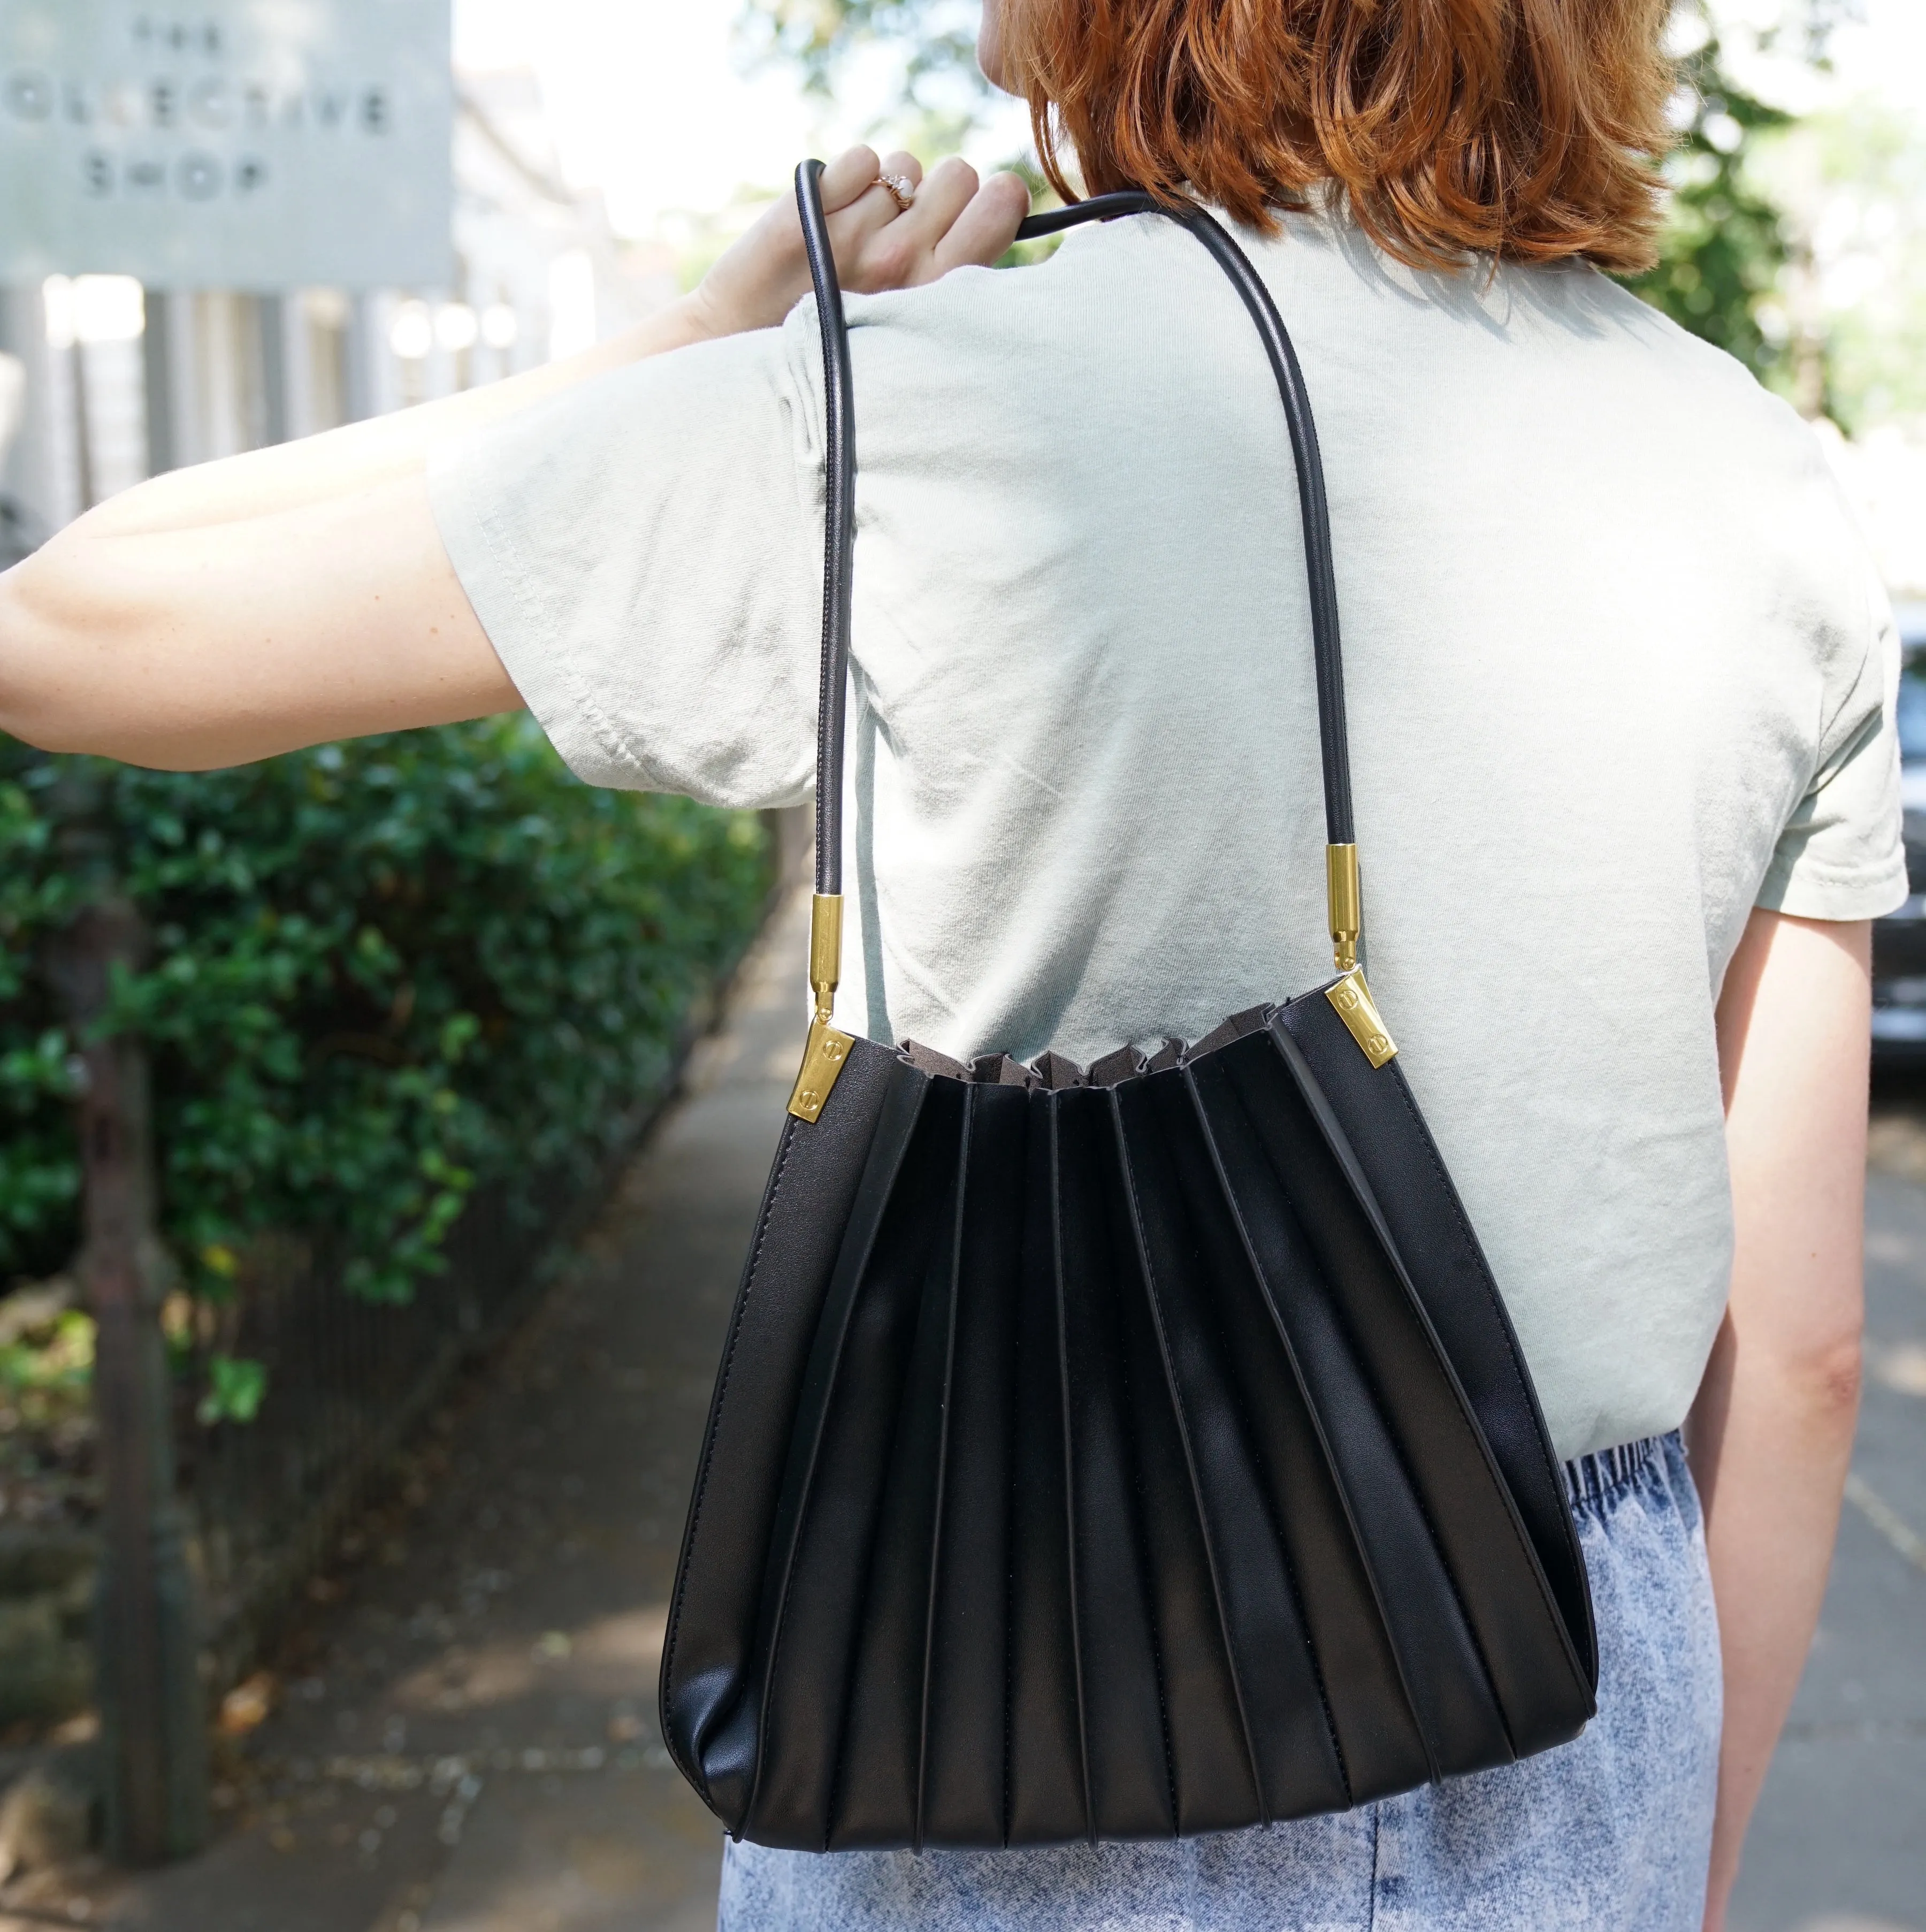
(471, 1746)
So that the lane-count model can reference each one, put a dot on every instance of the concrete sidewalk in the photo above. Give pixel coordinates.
(470, 1744)
(474, 1747)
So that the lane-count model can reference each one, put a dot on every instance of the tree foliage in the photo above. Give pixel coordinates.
(935, 39)
(383, 973)
(1723, 254)
(1726, 246)
(1863, 163)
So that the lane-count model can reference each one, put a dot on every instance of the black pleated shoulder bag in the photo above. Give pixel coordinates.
(1121, 1454)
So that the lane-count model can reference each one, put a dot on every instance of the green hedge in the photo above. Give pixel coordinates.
(383, 974)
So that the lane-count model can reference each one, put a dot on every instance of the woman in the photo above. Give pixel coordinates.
(1620, 688)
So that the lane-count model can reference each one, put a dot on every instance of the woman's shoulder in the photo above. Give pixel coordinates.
(1681, 388)
(1549, 371)
(978, 351)
(1144, 275)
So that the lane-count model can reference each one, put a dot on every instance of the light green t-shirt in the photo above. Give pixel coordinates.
(1617, 667)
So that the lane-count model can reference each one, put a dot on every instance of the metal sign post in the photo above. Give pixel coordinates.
(147, 1661)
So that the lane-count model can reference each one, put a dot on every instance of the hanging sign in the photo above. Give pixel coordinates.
(234, 144)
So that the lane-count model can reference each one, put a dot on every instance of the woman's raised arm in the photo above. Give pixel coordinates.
(301, 593)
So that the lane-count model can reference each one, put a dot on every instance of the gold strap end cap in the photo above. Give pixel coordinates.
(1346, 900)
(823, 1057)
(1359, 1011)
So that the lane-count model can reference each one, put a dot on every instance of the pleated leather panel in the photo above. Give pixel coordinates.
(894, 1405)
(711, 1658)
(1212, 1766)
(1413, 1192)
(836, 1474)
(1253, 1458)
(1129, 1490)
(962, 1791)
(1494, 1575)
(1119, 1667)
(1253, 1116)
(1049, 1798)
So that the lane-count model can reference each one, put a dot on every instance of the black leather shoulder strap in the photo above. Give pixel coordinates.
(839, 529)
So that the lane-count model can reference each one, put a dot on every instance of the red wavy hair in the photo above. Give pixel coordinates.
(1527, 130)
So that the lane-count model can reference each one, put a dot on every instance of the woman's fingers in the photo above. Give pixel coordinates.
(983, 232)
(853, 226)
(959, 219)
(848, 177)
(952, 219)
(856, 202)
(940, 199)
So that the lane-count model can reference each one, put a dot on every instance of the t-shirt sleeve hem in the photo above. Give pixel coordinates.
(1802, 892)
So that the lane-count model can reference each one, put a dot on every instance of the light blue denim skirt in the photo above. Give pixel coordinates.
(1609, 1833)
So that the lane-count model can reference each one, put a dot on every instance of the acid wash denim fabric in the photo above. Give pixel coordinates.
(1610, 1833)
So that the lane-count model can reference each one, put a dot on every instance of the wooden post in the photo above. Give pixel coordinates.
(147, 1661)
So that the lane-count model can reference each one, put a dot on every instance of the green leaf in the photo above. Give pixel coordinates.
(236, 1389)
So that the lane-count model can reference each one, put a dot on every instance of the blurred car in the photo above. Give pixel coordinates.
(1899, 939)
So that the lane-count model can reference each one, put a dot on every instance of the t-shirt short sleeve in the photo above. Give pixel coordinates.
(1841, 855)
(644, 553)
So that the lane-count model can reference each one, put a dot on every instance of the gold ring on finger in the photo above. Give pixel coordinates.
(901, 190)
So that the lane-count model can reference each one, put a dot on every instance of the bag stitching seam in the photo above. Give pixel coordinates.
(721, 1396)
(1533, 1566)
(1464, 1225)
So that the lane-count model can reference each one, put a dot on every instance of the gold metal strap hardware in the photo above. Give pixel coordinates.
(826, 1049)
(1349, 994)
(826, 949)
(1347, 904)
(1359, 1012)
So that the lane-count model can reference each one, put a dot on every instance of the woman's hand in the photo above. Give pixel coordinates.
(953, 221)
